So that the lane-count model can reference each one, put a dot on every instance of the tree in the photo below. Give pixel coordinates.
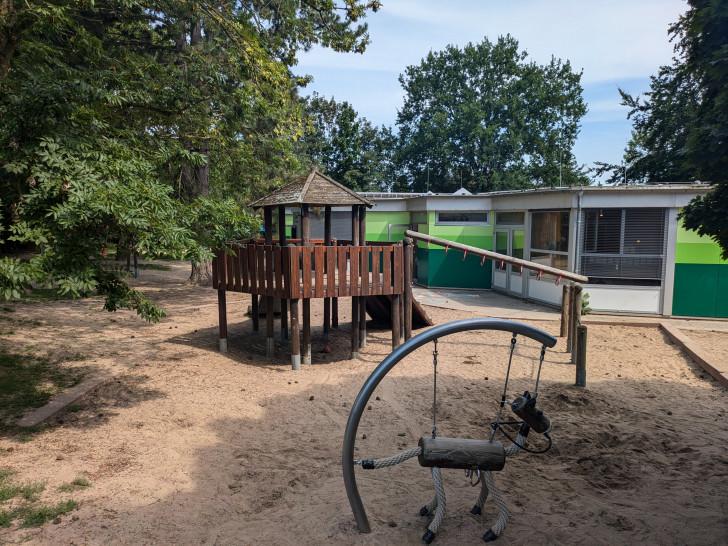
(113, 115)
(485, 117)
(704, 42)
(347, 148)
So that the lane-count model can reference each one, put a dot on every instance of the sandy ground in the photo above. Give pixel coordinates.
(191, 446)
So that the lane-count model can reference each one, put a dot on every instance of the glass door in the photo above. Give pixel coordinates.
(510, 242)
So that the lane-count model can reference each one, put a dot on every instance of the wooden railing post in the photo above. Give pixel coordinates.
(576, 322)
(565, 295)
(222, 311)
(408, 264)
(581, 356)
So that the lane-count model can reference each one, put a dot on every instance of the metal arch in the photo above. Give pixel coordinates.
(352, 425)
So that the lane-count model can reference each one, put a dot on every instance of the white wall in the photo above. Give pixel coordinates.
(626, 299)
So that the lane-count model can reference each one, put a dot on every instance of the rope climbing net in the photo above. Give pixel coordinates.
(478, 458)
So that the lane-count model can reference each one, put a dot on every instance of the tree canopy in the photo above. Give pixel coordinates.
(147, 124)
(488, 117)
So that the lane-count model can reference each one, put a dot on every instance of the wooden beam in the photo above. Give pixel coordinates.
(295, 336)
(282, 243)
(565, 275)
(364, 274)
(408, 261)
(222, 314)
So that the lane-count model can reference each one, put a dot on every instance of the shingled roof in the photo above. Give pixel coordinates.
(315, 189)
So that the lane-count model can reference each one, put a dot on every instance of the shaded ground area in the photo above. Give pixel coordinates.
(188, 445)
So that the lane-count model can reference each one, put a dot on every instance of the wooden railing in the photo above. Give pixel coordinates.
(310, 271)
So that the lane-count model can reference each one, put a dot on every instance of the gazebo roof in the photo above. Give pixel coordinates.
(315, 189)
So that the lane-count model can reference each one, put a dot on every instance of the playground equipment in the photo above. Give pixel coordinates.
(478, 457)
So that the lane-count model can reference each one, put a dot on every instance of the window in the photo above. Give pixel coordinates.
(550, 239)
(462, 218)
(512, 218)
(624, 246)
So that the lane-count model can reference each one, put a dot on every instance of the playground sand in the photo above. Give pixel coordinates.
(191, 446)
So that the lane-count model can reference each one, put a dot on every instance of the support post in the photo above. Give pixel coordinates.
(581, 356)
(576, 313)
(269, 302)
(222, 313)
(363, 270)
(295, 336)
(282, 244)
(254, 311)
(335, 305)
(408, 263)
(565, 296)
(396, 326)
(327, 243)
(353, 289)
(306, 330)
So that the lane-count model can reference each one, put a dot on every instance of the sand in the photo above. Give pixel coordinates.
(191, 446)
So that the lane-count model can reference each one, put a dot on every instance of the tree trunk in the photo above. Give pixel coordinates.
(201, 275)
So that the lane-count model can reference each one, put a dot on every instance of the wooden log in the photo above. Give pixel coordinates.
(502, 258)
(295, 336)
(565, 295)
(222, 319)
(396, 326)
(581, 333)
(306, 331)
(461, 453)
(408, 264)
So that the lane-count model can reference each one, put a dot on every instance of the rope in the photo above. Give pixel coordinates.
(483, 493)
(518, 443)
(499, 502)
(439, 499)
(389, 461)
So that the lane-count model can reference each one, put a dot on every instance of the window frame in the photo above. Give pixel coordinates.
(439, 222)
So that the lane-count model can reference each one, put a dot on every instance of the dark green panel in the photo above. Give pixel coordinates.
(722, 310)
(696, 290)
(422, 266)
(452, 271)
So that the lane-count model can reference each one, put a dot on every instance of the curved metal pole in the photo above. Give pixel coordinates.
(352, 425)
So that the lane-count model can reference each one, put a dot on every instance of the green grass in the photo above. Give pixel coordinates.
(37, 515)
(29, 381)
(29, 491)
(78, 483)
(6, 518)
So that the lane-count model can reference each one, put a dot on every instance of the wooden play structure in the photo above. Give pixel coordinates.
(377, 276)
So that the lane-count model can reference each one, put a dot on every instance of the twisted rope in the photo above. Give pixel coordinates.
(439, 500)
(499, 502)
(390, 461)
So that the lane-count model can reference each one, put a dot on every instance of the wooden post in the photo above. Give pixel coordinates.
(269, 302)
(334, 304)
(306, 307)
(576, 313)
(327, 243)
(353, 289)
(565, 295)
(581, 356)
(396, 326)
(282, 244)
(363, 271)
(408, 263)
(222, 311)
(254, 296)
(295, 336)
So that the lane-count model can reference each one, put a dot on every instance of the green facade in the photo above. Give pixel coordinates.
(378, 225)
(438, 268)
(701, 277)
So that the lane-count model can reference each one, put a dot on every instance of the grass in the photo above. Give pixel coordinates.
(32, 513)
(79, 483)
(29, 381)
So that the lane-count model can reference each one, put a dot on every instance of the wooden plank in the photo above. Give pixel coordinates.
(295, 332)
(295, 287)
(260, 259)
(252, 270)
(230, 272)
(354, 270)
(398, 287)
(408, 253)
(376, 278)
(222, 319)
(396, 325)
(343, 277)
(387, 270)
(278, 264)
(244, 268)
(319, 253)
(236, 270)
(215, 265)
(331, 255)
(366, 252)
(269, 287)
(222, 271)
(306, 272)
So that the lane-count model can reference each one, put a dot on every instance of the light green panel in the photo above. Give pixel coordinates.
(378, 225)
(692, 248)
(477, 236)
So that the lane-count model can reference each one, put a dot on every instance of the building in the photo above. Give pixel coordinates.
(626, 239)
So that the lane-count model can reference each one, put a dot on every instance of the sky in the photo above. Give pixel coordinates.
(616, 43)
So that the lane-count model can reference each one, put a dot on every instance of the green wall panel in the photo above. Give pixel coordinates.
(697, 253)
(722, 304)
(378, 225)
(434, 268)
(696, 290)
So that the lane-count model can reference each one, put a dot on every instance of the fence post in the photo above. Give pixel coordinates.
(576, 313)
(222, 310)
(408, 253)
(581, 356)
(565, 296)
